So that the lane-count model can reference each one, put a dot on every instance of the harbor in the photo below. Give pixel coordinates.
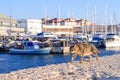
(59, 40)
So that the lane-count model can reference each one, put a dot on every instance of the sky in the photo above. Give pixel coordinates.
(93, 10)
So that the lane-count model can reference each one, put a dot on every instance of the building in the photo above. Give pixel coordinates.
(8, 26)
(31, 26)
(59, 30)
(67, 27)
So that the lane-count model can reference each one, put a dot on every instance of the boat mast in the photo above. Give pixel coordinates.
(87, 28)
(10, 19)
(95, 20)
(68, 28)
(68, 24)
(115, 23)
(44, 19)
(59, 20)
(112, 30)
(92, 25)
(106, 13)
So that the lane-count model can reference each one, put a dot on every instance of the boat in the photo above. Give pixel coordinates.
(79, 38)
(46, 35)
(29, 47)
(112, 40)
(98, 40)
(82, 37)
(56, 45)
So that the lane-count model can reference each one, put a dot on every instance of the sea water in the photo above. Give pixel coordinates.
(10, 62)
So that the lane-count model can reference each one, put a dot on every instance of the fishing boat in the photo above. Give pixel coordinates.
(29, 47)
(112, 40)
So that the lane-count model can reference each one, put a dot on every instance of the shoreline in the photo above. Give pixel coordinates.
(107, 68)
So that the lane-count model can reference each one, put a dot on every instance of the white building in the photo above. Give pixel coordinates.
(31, 26)
(8, 26)
(59, 30)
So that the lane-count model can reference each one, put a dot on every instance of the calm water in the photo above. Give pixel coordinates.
(10, 62)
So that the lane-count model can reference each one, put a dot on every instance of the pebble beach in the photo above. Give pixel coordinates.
(107, 68)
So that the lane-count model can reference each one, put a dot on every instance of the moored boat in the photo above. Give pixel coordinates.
(98, 40)
(29, 47)
(112, 40)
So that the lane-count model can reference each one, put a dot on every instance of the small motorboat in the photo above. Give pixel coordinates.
(29, 47)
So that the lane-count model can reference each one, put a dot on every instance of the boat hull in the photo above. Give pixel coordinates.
(30, 51)
(112, 44)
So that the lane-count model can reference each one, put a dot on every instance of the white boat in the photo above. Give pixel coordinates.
(29, 47)
(112, 40)
(79, 38)
(83, 37)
